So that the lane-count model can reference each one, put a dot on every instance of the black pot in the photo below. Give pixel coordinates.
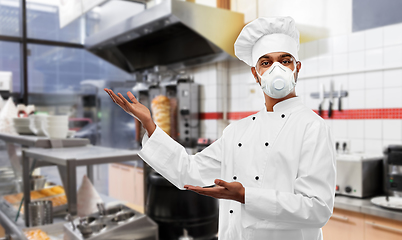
(175, 210)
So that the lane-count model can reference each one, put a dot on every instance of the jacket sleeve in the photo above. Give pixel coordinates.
(171, 160)
(311, 203)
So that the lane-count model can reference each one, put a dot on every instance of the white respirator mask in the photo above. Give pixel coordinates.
(278, 81)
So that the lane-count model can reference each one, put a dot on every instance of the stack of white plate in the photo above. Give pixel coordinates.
(55, 126)
(21, 125)
(36, 122)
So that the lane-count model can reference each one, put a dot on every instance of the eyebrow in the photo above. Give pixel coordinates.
(282, 56)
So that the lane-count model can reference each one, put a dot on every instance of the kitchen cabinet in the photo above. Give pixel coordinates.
(344, 225)
(381, 228)
(347, 225)
(127, 183)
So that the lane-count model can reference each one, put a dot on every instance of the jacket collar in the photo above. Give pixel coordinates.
(288, 105)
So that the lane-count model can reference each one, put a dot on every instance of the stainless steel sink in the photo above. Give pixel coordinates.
(118, 223)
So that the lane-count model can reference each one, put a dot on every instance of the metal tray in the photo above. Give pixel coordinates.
(54, 231)
(394, 203)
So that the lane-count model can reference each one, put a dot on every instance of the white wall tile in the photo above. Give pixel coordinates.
(301, 51)
(392, 129)
(325, 47)
(374, 80)
(340, 44)
(257, 103)
(393, 97)
(356, 99)
(356, 60)
(300, 87)
(393, 56)
(374, 98)
(357, 81)
(325, 64)
(374, 58)
(210, 105)
(311, 49)
(340, 62)
(210, 125)
(357, 41)
(309, 67)
(393, 34)
(211, 91)
(373, 146)
(357, 145)
(392, 78)
(356, 129)
(340, 129)
(374, 38)
(373, 129)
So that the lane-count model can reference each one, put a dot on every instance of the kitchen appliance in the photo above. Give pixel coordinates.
(173, 33)
(183, 94)
(40, 213)
(393, 170)
(112, 223)
(358, 175)
(175, 210)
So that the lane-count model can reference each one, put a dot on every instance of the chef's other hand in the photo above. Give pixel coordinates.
(135, 109)
(222, 190)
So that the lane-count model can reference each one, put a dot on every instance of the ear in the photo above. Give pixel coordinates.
(253, 71)
(298, 66)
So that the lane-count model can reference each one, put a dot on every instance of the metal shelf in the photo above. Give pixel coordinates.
(67, 160)
(42, 142)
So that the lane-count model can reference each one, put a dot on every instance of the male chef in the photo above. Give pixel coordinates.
(275, 170)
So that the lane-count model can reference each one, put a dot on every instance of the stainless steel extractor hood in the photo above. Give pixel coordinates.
(172, 33)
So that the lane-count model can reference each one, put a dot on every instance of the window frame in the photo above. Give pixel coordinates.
(23, 40)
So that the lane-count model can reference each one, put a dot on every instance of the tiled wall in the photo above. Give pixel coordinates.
(367, 64)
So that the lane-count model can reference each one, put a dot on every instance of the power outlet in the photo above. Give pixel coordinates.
(342, 145)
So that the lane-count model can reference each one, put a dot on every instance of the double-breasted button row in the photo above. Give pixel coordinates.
(256, 177)
(240, 144)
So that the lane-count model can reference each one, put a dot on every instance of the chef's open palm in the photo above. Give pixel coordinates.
(134, 108)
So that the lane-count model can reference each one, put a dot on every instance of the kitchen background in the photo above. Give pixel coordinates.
(366, 63)
(354, 45)
(346, 42)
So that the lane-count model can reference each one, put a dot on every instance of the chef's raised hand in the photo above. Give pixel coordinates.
(134, 108)
(222, 190)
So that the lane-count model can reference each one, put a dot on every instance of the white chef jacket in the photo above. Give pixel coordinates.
(285, 160)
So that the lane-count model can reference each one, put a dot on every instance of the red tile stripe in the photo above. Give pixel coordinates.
(239, 115)
(211, 116)
(379, 113)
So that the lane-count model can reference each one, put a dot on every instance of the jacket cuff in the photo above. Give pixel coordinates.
(259, 204)
(158, 144)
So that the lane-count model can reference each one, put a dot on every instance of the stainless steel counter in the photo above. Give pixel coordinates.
(16, 229)
(67, 159)
(366, 207)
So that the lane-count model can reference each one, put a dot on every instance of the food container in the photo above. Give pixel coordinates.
(38, 182)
